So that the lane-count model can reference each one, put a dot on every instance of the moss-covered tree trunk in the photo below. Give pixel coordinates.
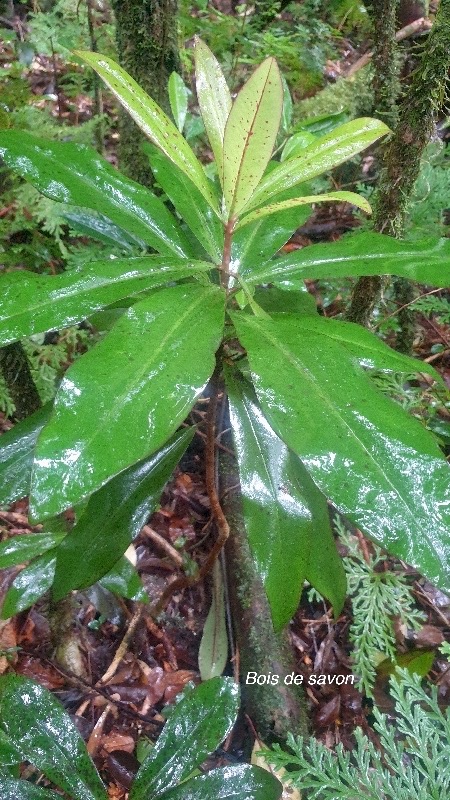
(275, 710)
(16, 373)
(383, 14)
(418, 115)
(146, 35)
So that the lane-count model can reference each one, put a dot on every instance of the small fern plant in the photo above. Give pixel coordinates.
(413, 761)
(377, 596)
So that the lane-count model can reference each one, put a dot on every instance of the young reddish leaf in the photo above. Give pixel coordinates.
(214, 98)
(250, 134)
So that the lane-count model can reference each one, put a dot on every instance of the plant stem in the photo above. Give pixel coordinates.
(226, 256)
(98, 96)
(216, 509)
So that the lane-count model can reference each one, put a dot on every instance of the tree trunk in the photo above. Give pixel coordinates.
(16, 372)
(146, 35)
(402, 157)
(275, 710)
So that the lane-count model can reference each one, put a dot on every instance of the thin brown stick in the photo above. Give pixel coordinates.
(406, 305)
(159, 540)
(123, 647)
(418, 26)
(222, 526)
(95, 738)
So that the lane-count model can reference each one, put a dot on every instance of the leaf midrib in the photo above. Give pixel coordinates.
(43, 304)
(145, 368)
(332, 409)
(247, 141)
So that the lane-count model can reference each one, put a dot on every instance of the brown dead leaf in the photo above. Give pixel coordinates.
(115, 793)
(118, 741)
(428, 636)
(175, 683)
(44, 674)
(329, 713)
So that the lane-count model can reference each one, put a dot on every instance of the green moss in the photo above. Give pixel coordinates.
(146, 35)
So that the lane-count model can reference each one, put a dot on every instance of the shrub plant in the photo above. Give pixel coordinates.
(209, 298)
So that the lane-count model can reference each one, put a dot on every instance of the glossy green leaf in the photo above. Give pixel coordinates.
(368, 253)
(122, 400)
(296, 144)
(273, 300)
(23, 548)
(213, 97)
(250, 134)
(42, 731)
(288, 108)
(286, 517)
(151, 119)
(241, 782)
(8, 753)
(16, 455)
(195, 728)
(213, 650)
(178, 99)
(258, 241)
(99, 227)
(11, 789)
(78, 175)
(378, 465)
(323, 155)
(366, 348)
(331, 197)
(324, 568)
(189, 203)
(36, 303)
(30, 584)
(123, 580)
(322, 123)
(113, 517)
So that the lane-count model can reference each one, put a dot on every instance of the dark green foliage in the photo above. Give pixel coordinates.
(202, 718)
